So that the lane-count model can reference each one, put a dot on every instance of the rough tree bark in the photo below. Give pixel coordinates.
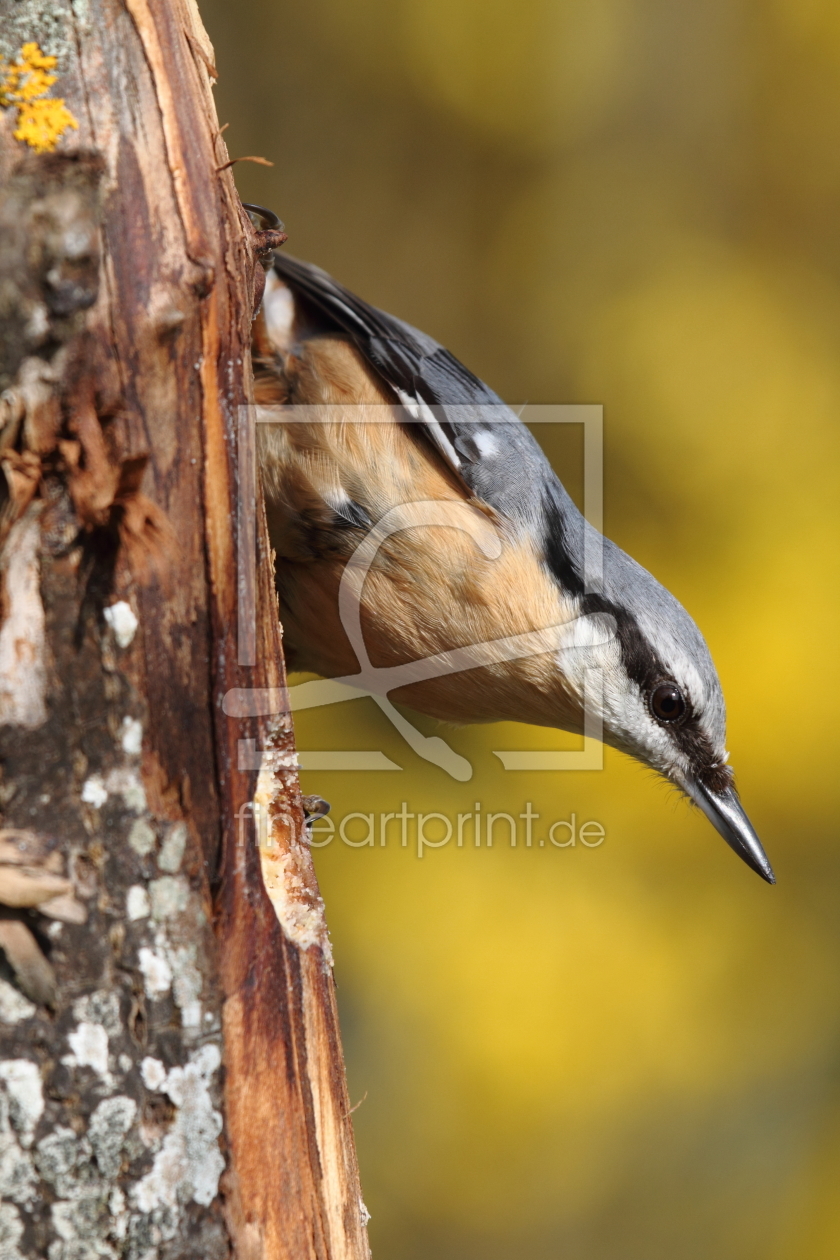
(171, 1079)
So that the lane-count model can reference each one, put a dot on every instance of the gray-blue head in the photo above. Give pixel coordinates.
(660, 698)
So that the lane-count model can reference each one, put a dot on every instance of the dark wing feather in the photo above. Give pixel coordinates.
(482, 438)
(406, 357)
(502, 464)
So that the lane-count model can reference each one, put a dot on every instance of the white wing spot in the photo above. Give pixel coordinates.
(486, 443)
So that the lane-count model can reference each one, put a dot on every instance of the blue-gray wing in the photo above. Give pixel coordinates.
(502, 464)
(479, 436)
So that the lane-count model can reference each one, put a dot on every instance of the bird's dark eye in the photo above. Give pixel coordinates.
(667, 702)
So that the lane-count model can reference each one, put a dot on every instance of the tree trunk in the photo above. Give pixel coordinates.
(171, 1078)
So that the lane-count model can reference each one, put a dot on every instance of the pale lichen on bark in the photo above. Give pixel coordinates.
(171, 1081)
(51, 24)
(23, 676)
(97, 1158)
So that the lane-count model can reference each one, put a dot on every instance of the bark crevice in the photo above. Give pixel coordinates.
(171, 1083)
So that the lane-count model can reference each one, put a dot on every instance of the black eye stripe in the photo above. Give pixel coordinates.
(647, 670)
(563, 556)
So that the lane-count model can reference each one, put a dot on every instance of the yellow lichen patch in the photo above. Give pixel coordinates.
(24, 85)
(41, 124)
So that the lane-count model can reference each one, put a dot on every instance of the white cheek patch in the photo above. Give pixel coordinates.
(627, 717)
(591, 630)
(590, 659)
(279, 313)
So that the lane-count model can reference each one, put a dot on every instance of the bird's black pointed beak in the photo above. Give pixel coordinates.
(725, 813)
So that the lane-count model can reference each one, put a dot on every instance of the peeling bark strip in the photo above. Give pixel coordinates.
(171, 1079)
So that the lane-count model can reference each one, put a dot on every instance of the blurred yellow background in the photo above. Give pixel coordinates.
(630, 1052)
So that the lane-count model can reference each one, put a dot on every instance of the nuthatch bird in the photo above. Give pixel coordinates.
(403, 422)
